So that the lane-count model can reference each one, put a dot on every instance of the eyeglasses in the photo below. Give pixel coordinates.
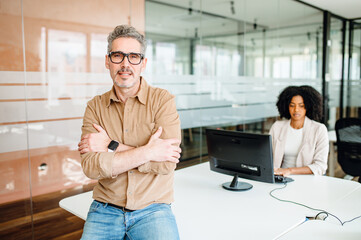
(118, 57)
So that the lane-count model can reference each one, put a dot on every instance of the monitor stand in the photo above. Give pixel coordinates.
(236, 186)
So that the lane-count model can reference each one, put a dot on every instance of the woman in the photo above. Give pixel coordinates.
(300, 143)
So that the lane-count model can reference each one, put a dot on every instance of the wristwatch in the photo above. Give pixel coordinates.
(113, 146)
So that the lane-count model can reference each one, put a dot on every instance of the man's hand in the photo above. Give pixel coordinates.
(94, 142)
(161, 150)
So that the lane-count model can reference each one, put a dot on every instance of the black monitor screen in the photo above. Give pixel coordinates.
(240, 154)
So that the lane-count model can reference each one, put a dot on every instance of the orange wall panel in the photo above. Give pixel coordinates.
(63, 170)
(40, 18)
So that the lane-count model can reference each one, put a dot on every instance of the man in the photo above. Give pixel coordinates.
(130, 143)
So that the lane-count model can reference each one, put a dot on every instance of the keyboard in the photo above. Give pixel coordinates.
(282, 179)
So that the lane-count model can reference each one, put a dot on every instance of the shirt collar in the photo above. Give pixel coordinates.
(143, 91)
(141, 95)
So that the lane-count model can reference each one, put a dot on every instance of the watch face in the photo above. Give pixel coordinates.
(113, 145)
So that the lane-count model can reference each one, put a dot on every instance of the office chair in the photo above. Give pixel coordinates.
(348, 133)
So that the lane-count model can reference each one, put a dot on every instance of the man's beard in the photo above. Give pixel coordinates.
(124, 70)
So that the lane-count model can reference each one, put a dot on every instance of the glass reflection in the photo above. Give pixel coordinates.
(66, 51)
(335, 70)
(98, 50)
(238, 60)
(353, 89)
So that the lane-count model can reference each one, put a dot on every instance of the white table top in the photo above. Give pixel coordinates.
(317, 229)
(78, 204)
(202, 202)
(347, 208)
(204, 210)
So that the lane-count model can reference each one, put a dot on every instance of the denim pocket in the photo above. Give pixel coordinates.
(94, 206)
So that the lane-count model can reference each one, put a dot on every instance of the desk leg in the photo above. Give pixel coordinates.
(331, 160)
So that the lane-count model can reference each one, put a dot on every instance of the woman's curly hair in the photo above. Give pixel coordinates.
(311, 98)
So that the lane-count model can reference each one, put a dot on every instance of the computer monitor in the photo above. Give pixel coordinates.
(240, 154)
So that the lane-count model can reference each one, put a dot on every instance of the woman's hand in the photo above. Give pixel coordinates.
(282, 171)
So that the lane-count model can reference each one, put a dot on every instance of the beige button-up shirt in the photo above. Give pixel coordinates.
(132, 124)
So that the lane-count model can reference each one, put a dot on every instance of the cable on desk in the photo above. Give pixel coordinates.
(315, 209)
(351, 219)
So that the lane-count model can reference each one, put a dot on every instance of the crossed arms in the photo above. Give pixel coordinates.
(153, 154)
(127, 157)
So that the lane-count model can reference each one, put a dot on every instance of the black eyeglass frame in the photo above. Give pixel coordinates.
(126, 55)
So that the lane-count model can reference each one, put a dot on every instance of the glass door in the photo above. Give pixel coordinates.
(334, 75)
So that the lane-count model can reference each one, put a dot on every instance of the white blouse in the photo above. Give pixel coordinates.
(292, 147)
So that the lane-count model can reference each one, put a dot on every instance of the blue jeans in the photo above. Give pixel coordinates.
(155, 222)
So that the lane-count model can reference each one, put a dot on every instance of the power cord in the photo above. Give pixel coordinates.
(315, 209)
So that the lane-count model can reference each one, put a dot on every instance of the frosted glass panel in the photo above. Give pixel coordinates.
(213, 101)
(355, 99)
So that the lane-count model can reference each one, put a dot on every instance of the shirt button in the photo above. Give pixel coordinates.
(131, 172)
(126, 130)
(130, 193)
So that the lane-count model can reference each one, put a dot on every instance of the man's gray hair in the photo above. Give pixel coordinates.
(126, 31)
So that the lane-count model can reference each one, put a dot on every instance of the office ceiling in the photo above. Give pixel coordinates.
(344, 8)
(221, 17)
(219, 20)
(267, 13)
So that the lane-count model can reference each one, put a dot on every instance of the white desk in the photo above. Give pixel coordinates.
(348, 207)
(345, 209)
(316, 229)
(204, 210)
(332, 158)
(78, 204)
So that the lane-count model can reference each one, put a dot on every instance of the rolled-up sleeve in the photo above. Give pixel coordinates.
(167, 117)
(95, 165)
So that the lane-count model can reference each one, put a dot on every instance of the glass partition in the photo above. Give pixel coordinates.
(335, 70)
(52, 63)
(239, 56)
(16, 204)
(354, 85)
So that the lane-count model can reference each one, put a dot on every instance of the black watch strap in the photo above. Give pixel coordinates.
(113, 145)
